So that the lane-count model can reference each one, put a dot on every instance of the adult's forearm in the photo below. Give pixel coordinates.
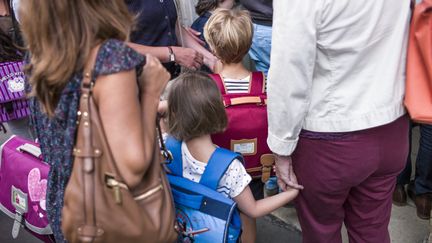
(149, 106)
(189, 42)
(160, 52)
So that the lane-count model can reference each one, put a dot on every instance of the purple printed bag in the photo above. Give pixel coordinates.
(23, 185)
(13, 102)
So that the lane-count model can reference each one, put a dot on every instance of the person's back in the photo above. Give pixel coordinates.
(358, 78)
(123, 91)
(336, 114)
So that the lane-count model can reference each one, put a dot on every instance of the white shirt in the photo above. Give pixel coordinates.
(232, 183)
(336, 66)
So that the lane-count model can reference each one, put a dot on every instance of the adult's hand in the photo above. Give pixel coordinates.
(213, 63)
(285, 173)
(155, 77)
(188, 57)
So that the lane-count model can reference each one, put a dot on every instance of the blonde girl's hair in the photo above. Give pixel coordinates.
(195, 107)
(229, 34)
(60, 35)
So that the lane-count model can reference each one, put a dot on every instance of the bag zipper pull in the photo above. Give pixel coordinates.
(115, 186)
(117, 195)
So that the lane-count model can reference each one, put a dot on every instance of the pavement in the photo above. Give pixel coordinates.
(270, 229)
(282, 226)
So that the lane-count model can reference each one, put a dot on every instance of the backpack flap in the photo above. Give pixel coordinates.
(203, 214)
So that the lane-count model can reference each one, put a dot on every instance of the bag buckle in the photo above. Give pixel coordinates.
(19, 201)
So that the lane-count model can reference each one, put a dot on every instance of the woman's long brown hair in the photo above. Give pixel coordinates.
(60, 35)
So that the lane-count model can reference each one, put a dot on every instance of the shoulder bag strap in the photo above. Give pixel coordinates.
(219, 81)
(216, 167)
(257, 83)
(17, 38)
(85, 149)
(174, 147)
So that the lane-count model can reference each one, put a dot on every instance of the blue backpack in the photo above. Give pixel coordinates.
(203, 214)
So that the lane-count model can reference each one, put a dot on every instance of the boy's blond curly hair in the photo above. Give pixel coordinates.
(229, 34)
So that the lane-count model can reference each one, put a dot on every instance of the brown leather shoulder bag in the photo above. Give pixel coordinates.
(98, 205)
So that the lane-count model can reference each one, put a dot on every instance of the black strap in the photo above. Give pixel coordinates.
(16, 34)
(168, 158)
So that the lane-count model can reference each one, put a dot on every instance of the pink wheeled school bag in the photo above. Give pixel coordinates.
(247, 126)
(23, 185)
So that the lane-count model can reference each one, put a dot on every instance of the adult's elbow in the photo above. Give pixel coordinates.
(133, 168)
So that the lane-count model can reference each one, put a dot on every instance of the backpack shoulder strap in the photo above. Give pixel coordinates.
(257, 83)
(176, 165)
(216, 167)
(219, 81)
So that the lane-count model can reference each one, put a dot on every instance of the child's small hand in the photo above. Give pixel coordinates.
(291, 193)
(163, 108)
(163, 112)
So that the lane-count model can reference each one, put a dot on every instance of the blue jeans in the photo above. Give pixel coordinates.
(261, 47)
(423, 171)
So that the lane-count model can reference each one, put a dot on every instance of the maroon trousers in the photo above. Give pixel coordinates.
(350, 178)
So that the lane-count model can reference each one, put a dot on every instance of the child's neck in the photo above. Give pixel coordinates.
(201, 148)
(234, 71)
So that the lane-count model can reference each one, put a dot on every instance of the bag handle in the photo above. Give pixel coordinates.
(30, 149)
